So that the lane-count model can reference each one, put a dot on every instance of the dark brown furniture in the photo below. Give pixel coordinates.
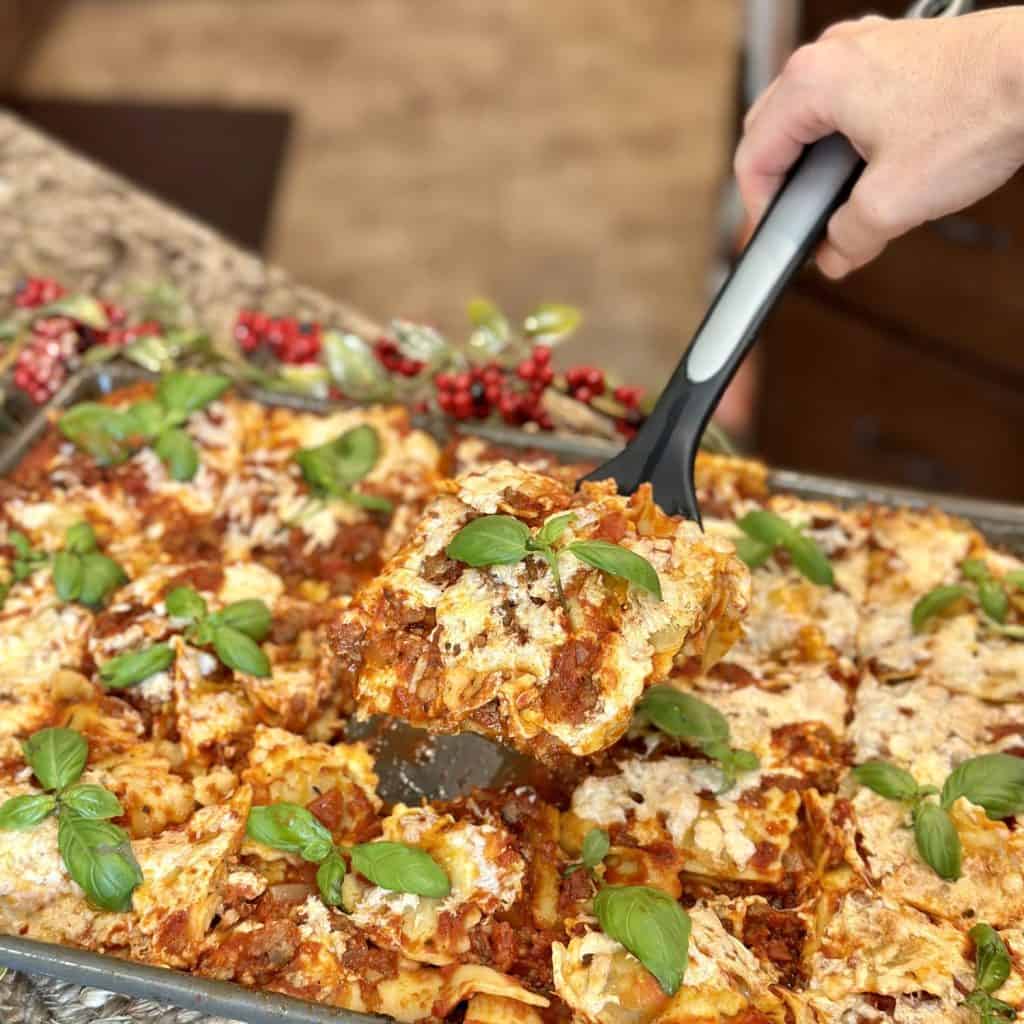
(912, 370)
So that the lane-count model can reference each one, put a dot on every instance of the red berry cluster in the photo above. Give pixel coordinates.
(42, 365)
(630, 398)
(477, 392)
(585, 382)
(290, 340)
(37, 291)
(389, 355)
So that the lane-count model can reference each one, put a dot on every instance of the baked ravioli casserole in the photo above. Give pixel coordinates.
(790, 794)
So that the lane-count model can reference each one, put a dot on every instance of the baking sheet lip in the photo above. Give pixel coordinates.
(160, 984)
(230, 999)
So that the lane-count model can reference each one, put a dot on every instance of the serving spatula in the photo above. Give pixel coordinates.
(665, 447)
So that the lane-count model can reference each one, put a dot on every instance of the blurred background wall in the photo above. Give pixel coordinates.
(529, 151)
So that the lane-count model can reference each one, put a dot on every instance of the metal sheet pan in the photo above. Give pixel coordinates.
(459, 762)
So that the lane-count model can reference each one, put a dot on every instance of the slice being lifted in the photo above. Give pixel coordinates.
(545, 630)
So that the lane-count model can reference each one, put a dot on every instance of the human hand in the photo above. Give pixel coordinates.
(935, 107)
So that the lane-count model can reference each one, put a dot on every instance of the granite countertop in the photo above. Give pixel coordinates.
(63, 216)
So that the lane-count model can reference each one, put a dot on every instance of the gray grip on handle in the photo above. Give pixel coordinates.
(788, 227)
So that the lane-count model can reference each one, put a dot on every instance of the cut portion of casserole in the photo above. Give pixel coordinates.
(497, 649)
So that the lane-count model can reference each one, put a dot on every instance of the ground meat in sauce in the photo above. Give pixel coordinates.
(571, 692)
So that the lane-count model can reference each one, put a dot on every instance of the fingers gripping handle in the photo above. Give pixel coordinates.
(783, 241)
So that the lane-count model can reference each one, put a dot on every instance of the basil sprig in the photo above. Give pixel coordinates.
(504, 540)
(82, 573)
(234, 632)
(393, 866)
(134, 666)
(988, 593)
(765, 532)
(333, 469)
(995, 782)
(684, 717)
(651, 925)
(991, 969)
(97, 854)
(111, 435)
(596, 845)
(25, 562)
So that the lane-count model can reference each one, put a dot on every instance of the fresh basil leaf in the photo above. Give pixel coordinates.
(993, 600)
(329, 877)
(83, 309)
(742, 761)
(80, 539)
(25, 811)
(145, 419)
(19, 542)
(240, 652)
(332, 468)
(101, 576)
(551, 322)
(682, 716)
(103, 432)
(401, 868)
(618, 561)
(596, 845)
(135, 666)
(935, 602)
(67, 575)
(371, 502)
(766, 527)
(937, 840)
(991, 960)
(994, 782)
(178, 453)
(990, 1010)
(651, 925)
(886, 780)
(809, 559)
(91, 801)
(186, 392)
(490, 540)
(290, 828)
(551, 532)
(1015, 578)
(975, 569)
(251, 617)
(753, 552)
(56, 756)
(491, 330)
(733, 763)
(185, 603)
(98, 856)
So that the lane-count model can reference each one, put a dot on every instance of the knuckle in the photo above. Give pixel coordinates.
(878, 210)
(804, 63)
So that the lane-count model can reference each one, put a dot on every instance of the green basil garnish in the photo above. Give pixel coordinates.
(991, 969)
(886, 780)
(988, 593)
(135, 666)
(651, 925)
(251, 617)
(98, 856)
(551, 322)
(83, 574)
(240, 652)
(112, 435)
(329, 877)
(504, 540)
(185, 603)
(937, 840)
(596, 845)
(96, 853)
(333, 469)
(401, 868)
(101, 576)
(80, 539)
(935, 602)
(290, 828)
(56, 756)
(21, 812)
(994, 782)
(684, 717)
(67, 575)
(769, 531)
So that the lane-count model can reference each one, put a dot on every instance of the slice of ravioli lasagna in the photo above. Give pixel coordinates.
(549, 651)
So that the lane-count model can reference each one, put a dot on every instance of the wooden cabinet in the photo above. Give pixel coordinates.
(912, 370)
